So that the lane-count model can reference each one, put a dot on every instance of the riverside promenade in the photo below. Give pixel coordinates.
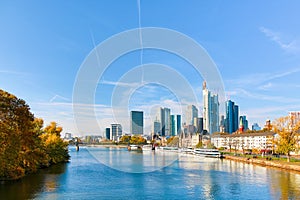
(293, 166)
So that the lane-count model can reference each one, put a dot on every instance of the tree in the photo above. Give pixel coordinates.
(56, 148)
(287, 131)
(125, 139)
(24, 145)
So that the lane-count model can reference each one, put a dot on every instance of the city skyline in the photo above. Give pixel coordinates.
(255, 46)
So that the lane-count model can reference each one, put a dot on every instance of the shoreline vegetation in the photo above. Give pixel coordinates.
(25, 146)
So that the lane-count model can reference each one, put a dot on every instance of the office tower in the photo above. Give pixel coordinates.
(137, 122)
(200, 125)
(222, 124)
(173, 125)
(157, 128)
(191, 115)
(210, 111)
(165, 121)
(243, 124)
(232, 117)
(116, 131)
(107, 133)
(178, 120)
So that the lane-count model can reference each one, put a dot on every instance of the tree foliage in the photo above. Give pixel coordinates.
(23, 148)
(287, 131)
(135, 139)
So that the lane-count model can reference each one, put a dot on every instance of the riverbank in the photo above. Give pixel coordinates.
(267, 163)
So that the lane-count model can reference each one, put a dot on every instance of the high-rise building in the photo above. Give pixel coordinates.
(222, 124)
(199, 125)
(116, 131)
(137, 122)
(178, 120)
(243, 124)
(235, 117)
(157, 128)
(232, 117)
(191, 115)
(107, 133)
(210, 111)
(173, 125)
(165, 121)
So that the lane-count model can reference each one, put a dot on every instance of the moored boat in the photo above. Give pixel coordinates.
(214, 153)
(134, 147)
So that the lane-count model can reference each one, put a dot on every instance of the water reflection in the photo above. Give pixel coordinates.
(133, 161)
(45, 180)
(189, 177)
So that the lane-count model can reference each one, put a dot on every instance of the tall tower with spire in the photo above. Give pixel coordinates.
(210, 110)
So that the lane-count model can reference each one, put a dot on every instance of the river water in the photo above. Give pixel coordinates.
(115, 173)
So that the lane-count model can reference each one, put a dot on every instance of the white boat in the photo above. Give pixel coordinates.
(208, 153)
(134, 147)
(147, 148)
(188, 150)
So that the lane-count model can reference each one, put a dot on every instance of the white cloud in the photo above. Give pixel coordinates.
(290, 47)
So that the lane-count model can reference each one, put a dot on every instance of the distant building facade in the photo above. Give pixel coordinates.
(260, 141)
(210, 111)
(157, 127)
(137, 122)
(165, 117)
(256, 127)
(191, 114)
(232, 117)
(107, 133)
(116, 132)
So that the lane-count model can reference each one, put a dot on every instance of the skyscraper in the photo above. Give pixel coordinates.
(243, 124)
(107, 133)
(173, 125)
(235, 117)
(232, 117)
(157, 128)
(178, 119)
(199, 127)
(116, 131)
(191, 114)
(165, 121)
(137, 122)
(210, 111)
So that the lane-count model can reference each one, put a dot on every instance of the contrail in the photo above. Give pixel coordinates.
(141, 38)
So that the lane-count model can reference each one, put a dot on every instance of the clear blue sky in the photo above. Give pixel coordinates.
(255, 45)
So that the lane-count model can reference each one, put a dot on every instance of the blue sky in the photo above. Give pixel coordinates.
(254, 44)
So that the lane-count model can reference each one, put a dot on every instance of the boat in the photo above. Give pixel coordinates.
(134, 147)
(214, 153)
(188, 150)
(148, 148)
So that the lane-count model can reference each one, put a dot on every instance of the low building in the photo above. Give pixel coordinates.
(262, 141)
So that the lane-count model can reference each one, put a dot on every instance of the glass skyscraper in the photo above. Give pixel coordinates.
(210, 111)
(232, 117)
(137, 122)
(165, 118)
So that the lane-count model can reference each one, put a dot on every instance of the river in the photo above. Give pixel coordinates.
(115, 173)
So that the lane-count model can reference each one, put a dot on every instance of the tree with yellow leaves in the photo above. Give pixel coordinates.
(24, 145)
(287, 131)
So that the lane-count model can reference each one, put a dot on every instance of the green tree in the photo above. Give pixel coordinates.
(287, 130)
